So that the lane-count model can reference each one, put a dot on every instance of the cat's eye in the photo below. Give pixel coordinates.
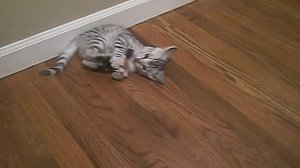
(147, 55)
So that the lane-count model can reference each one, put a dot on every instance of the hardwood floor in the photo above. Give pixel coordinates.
(231, 98)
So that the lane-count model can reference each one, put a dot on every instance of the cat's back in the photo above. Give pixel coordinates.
(106, 31)
(112, 30)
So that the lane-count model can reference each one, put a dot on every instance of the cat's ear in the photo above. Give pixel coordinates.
(168, 51)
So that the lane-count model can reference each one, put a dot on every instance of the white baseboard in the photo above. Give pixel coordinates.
(46, 45)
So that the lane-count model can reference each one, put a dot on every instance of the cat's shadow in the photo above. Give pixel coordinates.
(99, 70)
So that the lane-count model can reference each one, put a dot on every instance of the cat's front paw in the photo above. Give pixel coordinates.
(119, 75)
(117, 62)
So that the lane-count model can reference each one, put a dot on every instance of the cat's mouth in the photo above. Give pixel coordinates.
(142, 69)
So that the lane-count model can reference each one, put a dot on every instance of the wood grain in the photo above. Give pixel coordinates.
(231, 98)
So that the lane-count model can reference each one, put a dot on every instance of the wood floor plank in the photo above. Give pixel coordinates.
(237, 66)
(231, 98)
(19, 137)
(199, 122)
(263, 16)
(234, 95)
(249, 39)
(44, 124)
(134, 130)
(87, 134)
(272, 27)
(188, 63)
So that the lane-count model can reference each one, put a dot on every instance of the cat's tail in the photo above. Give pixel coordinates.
(62, 60)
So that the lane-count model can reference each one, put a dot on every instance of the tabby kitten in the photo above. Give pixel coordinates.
(107, 45)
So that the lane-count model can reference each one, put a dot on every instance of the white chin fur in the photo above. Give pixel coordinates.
(131, 67)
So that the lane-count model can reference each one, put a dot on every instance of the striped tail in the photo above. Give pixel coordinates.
(62, 60)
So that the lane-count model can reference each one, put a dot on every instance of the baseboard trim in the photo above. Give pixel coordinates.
(46, 45)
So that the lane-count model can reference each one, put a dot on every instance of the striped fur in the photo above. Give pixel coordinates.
(107, 45)
(62, 60)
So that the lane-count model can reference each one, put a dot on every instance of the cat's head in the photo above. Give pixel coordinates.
(151, 62)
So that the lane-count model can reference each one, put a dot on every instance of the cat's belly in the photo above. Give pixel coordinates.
(93, 54)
